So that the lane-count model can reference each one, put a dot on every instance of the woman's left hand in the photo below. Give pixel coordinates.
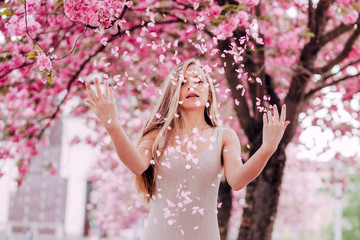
(274, 128)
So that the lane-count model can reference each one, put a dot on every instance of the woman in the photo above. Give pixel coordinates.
(180, 158)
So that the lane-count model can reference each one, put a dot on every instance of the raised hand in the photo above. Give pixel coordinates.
(274, 127)
(103, 104)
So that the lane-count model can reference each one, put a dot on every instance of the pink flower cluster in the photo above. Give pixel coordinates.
(43, 61)
(350, 17)
(250, 3)
(225, 29)
(93, 12)
(211, 12)
(16, 26)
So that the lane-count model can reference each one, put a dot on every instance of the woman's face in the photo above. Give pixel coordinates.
(194, 92)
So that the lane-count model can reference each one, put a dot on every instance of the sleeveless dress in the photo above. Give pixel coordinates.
(184, 205)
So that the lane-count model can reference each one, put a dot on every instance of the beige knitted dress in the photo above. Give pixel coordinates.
(184, 205)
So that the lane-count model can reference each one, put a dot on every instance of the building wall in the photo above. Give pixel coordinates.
(50, 205)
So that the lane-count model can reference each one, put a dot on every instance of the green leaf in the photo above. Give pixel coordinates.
(19, 162)
(58, 3)
(31, 54)
(228, 7)
(355, 6)
(241, 6)
(37, 47)
(6, 12)
(309, 34)
(50, 80)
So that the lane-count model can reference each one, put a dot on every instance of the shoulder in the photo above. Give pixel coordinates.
(152, 133)
(148, 139)
(229, 135)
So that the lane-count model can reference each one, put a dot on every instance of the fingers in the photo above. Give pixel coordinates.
(111, 94)
(89, 102)
(106, 96)
(283, 113)
(269, 117)
(276, 114)
(91, 92)
(286, 124)
(98, 90)
(265, 121)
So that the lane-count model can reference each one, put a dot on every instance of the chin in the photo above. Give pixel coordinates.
(192, 106)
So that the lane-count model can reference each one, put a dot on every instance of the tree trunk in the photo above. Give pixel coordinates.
(225, 198)
(262, 196)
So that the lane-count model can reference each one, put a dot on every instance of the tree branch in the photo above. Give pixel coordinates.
(27, 30)
(321, 16)
(342, 55)
(311, 22)
(21, 66)
(323, 79)
(72, 80)
(242, 110)
(270, 89)
(312, 91)
(342, 28)
(72, 50)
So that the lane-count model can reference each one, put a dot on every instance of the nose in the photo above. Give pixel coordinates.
(192, 85)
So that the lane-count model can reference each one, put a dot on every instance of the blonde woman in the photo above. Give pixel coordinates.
(182, 153)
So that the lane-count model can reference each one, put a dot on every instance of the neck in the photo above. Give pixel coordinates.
(193, 119)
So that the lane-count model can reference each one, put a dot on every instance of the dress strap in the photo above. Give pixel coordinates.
(220, 131)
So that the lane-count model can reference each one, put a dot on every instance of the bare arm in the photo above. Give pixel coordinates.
(238, 174)
(137, 160)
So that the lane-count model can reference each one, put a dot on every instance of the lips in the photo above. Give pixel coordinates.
(192, 95)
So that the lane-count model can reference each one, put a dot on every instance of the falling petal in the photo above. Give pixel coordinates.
(170, 203)
(196, 5)
(211, 147)
(162, 58)
(258, 80)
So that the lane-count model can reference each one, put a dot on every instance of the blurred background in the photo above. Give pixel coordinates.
(60, 177)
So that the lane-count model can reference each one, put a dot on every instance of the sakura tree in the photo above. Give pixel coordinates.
(260, 52)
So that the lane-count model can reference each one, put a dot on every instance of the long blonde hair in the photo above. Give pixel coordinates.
(167, 116)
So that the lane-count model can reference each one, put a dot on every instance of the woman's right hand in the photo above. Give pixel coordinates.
(103, 105)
